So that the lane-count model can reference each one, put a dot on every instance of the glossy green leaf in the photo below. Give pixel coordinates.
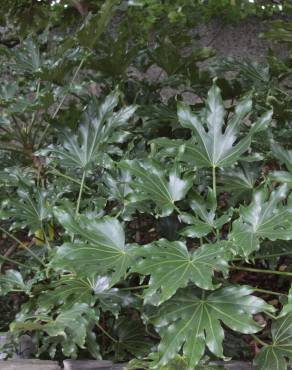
(118, 185)
(101, 249)
(171, 266)
(191, 321)
(287, 307)
(153, 183)
(197, 229)
(214, 147)
(239, 179)
(27, 58)
(283, 155)
(12, 280)
(71, 290)
(281, 176)
(100, 123)
(70, 328)
(205, 220)
(262, 219)
(275, 355)
(27, 210)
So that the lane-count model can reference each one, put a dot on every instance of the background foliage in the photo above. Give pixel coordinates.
(135, 227)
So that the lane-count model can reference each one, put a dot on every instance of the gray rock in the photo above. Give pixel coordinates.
(26, 347)
(237, 365)
(29, 365)
(87, 365)
(240, 40)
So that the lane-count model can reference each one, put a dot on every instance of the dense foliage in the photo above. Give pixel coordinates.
(136, 226)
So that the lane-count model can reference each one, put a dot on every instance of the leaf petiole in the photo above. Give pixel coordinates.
(80, 192)
(258, 340)
(22, 245)
(261, 271)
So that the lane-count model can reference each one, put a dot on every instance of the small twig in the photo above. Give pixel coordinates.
(106, 333)
(22, 245)
(10, 250)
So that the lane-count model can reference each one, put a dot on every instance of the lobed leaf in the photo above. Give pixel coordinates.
(171, 266)
(191, 321)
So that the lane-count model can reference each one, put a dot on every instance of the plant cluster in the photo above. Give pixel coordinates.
(136, 226)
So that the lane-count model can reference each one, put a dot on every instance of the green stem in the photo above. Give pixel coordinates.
(62, 101)
(58, 173)
(177, 209)
(80, 192)
(271, 316)
(268, 292)
(106, 333)
(266, 256)
(46, 238)
(214, 181)
(257, 339)
(22, 245)
(250, 269)
(135, 287)
(34, 113)
(6, 259)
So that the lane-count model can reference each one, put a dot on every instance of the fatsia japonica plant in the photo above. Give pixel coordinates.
(135, 230)
(87, 262)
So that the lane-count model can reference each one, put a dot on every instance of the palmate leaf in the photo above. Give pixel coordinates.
(262, 219)
(171, 266)
(95, 25)
(12, 280)
(205, 220)
(99, 125)
(27, 210)
(275, 355)
(27, 59)
(66, 293)
(287, 307)
(241, 179)
(191, 321)
(71, 290)
(71, 328)
(71, 320)
(117, 188)
(153, 183)
(101, 249)
(132, 338)
(214, 147)
(283, 155)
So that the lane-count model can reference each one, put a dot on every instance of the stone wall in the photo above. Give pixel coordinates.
(241, 40)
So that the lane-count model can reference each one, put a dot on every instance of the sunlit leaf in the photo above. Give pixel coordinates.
(214, 147)
(191, 321)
